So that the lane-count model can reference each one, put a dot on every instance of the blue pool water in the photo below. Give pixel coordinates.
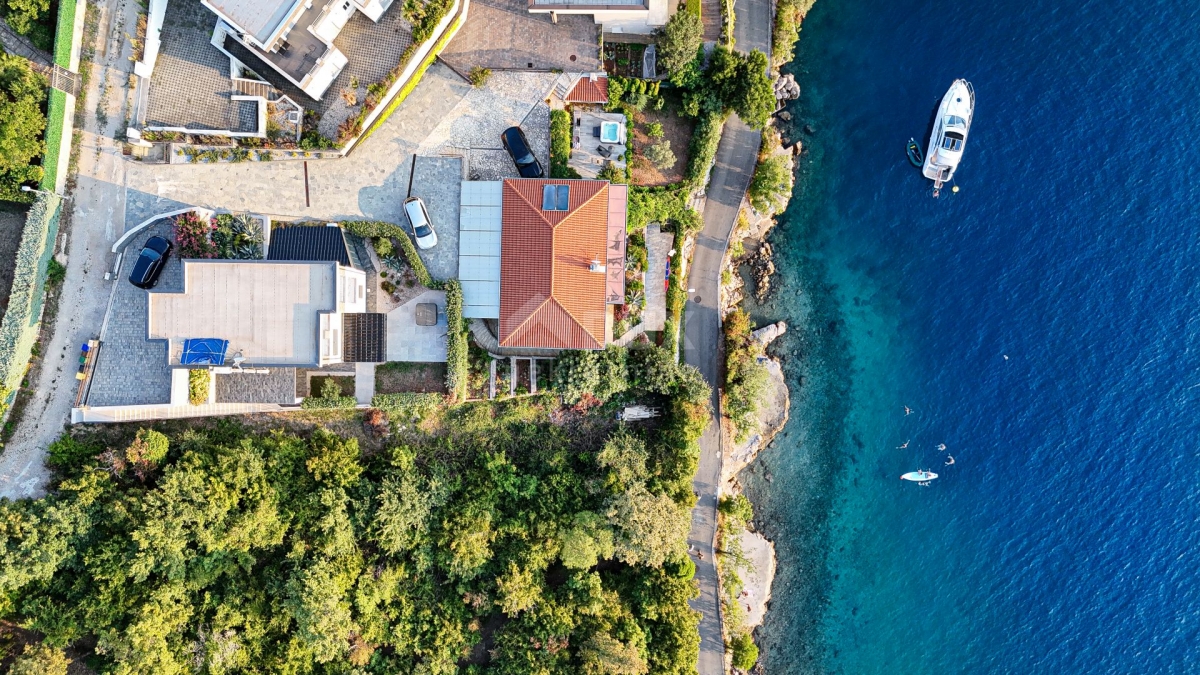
(1066, 538)
(609, 132)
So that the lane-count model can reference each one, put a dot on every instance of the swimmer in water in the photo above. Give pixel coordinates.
(907, 411)
(949, 460)
(901, 447)
(942, 447)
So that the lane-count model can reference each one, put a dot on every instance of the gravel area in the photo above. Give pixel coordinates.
(277, 385)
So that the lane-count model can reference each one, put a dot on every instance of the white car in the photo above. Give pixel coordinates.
(418, 218)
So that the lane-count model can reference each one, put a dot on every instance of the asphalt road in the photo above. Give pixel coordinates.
(736, 157)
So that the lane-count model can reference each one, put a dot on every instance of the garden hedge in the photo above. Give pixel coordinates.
(376, 228)
(64, 33)
(702, 150)
(560, 145)
(328, 403)
(408, 404)
(457, 369)
(19, 328)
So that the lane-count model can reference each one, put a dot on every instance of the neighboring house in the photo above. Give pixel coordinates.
(305, 306)
(544, 258)
(589, 88)
(294, 37)
(617, 16)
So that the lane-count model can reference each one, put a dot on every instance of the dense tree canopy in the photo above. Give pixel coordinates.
(22, 123)
(680, 39)
(510, 539)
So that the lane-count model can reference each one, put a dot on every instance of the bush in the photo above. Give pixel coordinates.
(703, 149)
(457, 368)
(23, 94)
(193, 236)
(19, 327)
(745, 377)
(737, 509)
(745, 652)
(56, 272)
(660, 154)
(654, 129)
(374, 228)
(330, 398)
(560, 145)
(479, 76)
(40, 659)
(237, 237)
(772, 184)
(408, 405)
(680, 39)
(384, 247)
(198, 382)
(375, 423)
(788, 16)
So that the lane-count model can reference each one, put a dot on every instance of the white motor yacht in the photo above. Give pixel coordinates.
(949, 135)
(919, 476)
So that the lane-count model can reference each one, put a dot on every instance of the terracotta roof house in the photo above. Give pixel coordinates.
(558, 265)
(589, 88)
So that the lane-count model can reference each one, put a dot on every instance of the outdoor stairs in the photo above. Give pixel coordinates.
(562, 85)
(254, 88)
(141, 413)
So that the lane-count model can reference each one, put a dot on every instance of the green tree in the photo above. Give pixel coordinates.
(585, 542)
(316, 600)
(756, 100)
(679, 41)
(612, 375)
(468, 537)
(519, 589)
(333, 460)
(745, 652)
(771, 185)
(23, 15)
(21, 126)
(603, 654)
(625, 456)
(149, 448)
(38, 659)
(649, 529)
(660, 154)
(653, 369)
(405, 504)
(654, 130)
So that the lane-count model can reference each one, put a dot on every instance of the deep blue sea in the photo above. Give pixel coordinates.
(1066, 536)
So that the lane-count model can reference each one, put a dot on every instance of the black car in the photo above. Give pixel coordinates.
(150, 262)
(518, 148)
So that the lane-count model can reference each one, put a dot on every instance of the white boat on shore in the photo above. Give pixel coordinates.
(949, 135)
(919, 476)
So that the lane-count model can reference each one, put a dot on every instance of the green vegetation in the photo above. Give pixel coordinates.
(560, 145)
(32, 18)
(198, 382)
(660, 154)
(676, 294)
(64, 32)
(407, 405)
(237, 237)
(457, 368)
(680, 39)
(331, 398)
(500, 542)
(772, 184)
(374, 228)
(734, 514)
(479, 76)
(40, 659)
(21, 323)
(745, 652)
(654, 130)
(664, 204)
(56, 272)
(745, 377)
(703, 148)
(788, 16)
(56, 118)
(24, 92)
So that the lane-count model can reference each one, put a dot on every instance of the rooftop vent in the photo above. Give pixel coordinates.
(598, 267)
(556, 197)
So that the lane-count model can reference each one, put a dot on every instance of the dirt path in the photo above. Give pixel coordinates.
(97, 218)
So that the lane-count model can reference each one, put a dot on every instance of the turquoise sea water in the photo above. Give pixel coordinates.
(1066, 538)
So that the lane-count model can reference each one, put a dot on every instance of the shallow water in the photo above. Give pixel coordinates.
(1064, 539)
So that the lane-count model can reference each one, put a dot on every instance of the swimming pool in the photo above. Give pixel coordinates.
(610, 132)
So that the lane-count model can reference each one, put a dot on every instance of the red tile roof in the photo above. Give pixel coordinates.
(549, 298)
(587, 90)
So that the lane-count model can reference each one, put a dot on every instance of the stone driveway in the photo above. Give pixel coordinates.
(437, 181)
(502, 34)
(406, 341)
(133, 370)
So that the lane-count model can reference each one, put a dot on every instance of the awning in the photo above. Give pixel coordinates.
(204, 351)
(479, 248)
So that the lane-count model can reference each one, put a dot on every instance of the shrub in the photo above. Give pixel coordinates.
(19, 327)
(560, 145)
(192, 236)
(788, 16)
(384, 247)
(457, 368)
(22, 94)
(375, 228)
(198, 382)
(771, 185)
(745, 377)
(408, 405)
(479, 76)
(745, 652)
(680, 39)
(703, 149)
(40, 659)
(56, 272)
(660, 154)
(375, 423)
(237, 237)
(576, 373)
(737, 509)
(654, 129)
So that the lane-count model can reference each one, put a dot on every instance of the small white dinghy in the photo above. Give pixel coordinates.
(919, 476)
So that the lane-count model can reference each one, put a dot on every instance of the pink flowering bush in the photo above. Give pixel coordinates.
(192, 236)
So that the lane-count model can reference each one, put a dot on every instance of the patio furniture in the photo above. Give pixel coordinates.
(604, 151)
(596, 131)
(426, 314)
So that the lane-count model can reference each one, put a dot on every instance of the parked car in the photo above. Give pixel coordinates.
(150, 262)
(522, 154)
(422, 226)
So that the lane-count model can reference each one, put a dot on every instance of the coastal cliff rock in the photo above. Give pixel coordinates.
(732, 292)
(768, 334)
(772, 416)
(762, 266)
(756, 592)
(786, 90)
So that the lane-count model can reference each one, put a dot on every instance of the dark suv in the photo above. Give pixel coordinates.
(518, 148)
(150, 262)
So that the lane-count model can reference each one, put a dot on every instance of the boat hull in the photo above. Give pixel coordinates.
(919, 476)
(940, 163)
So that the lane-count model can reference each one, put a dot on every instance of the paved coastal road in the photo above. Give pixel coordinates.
(736, 157)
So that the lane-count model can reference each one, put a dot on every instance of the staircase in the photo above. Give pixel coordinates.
(254, 88)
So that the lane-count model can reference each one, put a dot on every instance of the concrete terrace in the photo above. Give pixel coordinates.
(502, 34)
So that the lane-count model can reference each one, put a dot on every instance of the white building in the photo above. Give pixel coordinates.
(617, 16)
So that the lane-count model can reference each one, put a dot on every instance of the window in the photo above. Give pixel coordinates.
(556, 197)
(951, 143)
(955, 121)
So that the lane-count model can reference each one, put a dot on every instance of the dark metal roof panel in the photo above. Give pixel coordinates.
(308, 243)
(364, 338)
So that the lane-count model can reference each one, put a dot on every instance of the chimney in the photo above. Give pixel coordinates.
(598, 267)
